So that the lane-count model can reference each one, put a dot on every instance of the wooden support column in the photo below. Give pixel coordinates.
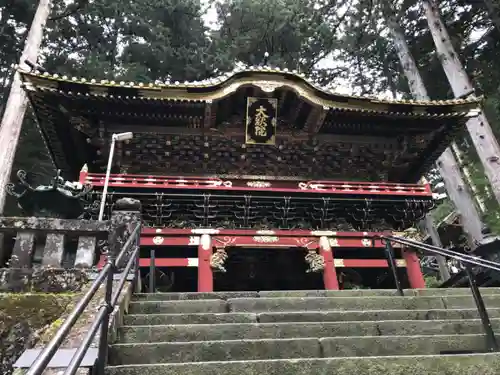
(205, 276)
(329, 273)
(415, 276)
(83, 174)
(53, 252)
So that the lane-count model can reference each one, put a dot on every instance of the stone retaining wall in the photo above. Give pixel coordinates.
(46, 331)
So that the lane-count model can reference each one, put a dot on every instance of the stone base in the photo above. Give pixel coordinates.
(42, 280)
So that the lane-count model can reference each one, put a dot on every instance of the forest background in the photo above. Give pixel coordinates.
(345, 45)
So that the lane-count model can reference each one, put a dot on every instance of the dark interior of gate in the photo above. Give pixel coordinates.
(268, 268)
(256, 180)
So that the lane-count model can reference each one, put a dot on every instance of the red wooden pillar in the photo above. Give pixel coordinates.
(413, 269)
(329, 273)
(83, 174)
(205, 276)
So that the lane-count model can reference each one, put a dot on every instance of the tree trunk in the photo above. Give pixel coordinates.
(446, 164)
(479, 129)
(17, 102)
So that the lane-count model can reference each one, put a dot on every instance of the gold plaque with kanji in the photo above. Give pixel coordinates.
(262, 117)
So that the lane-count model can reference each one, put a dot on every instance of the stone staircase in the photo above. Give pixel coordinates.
(433, 331)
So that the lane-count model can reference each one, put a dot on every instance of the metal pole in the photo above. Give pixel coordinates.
(392, 265)
(106, 179)
(87, 341)
(137, 269)
(103, 339)
(152, 272)
(491, 341)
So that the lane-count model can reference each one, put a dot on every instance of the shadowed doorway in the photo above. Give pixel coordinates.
(256, 269)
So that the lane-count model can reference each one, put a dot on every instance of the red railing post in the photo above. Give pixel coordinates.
(83, 174)
(329, 273)
(413, 269)
(205, 275)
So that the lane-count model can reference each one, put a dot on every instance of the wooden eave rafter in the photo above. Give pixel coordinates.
(209, 115)
(316, 119)
(267, 80)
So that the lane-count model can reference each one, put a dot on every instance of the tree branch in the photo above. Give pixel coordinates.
(72, 9)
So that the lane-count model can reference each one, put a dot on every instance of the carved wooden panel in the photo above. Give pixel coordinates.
(229, 155)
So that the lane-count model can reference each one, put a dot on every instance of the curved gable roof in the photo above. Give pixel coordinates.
(266, 78)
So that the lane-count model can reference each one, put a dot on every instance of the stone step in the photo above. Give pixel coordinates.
(311, 316)
(308, 293)
(192, 296)
(207, 318)
(355, 303)
(235, 350)
(464, 364)
(281, 304)
(200, 351)
(371, 315)
(376, 292)
(179, 307)
(211, 332)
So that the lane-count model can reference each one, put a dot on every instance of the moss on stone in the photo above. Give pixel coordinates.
(23, 317)
(34, 310)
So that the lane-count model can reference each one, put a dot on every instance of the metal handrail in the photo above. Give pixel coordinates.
(102, 319)
(467, 260)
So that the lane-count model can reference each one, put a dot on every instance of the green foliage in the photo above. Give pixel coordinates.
(431, 281)
(442, 210)
(345, 40)
(135, 40)
(297, 34)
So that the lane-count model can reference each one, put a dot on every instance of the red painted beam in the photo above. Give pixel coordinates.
(170, 262)
(252, 232)
(170, 241)
(262, 241)
(201, 183)
(338, 263)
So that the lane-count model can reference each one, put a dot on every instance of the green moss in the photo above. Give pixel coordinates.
(35, 309)
(22, 315)
(431, 282)
(442, 210)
